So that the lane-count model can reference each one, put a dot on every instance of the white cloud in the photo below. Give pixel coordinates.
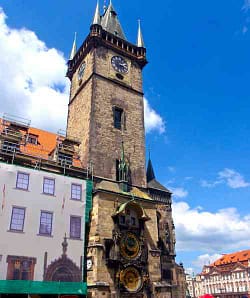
(32, 78)
(179, 192)
(205, 183)
(205, 259)
(153, 121)
(210, 232)
(33, 83)
(232, 178)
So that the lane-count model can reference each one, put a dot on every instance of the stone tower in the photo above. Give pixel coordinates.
(131, 239)
(106, 99)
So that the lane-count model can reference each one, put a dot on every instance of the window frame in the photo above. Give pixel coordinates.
(23, 220)
(17, 177)
(51, 224)
(118, 125)
(70, 227)
(54, 187)
(71, 197)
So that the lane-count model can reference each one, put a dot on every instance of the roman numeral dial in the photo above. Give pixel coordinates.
(119, 64)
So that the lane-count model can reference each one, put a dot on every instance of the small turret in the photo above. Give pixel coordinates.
(140, 42)
(97, 17)
(74, 49)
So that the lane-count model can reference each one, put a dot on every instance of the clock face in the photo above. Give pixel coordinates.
(81, 70)
(130, 246)
(119, 64)
(131, 279)
(89, 264)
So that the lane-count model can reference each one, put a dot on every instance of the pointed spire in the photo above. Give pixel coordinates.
(97, 18)
(140, 42)
(73, 51)
(150, 171)
(110, 22)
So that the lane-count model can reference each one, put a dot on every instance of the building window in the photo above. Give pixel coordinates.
(65, 159)
(117, 117)
(17, 219)
(32, 139)
(76, 192)
(45, 223)
(10, 147)
(75, 227)
(133, 221)
(22, 181)
(20, 268)
(49, 186)
(122, 220)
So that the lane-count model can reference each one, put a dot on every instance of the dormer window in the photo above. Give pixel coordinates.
(32, 139)
(65, 159)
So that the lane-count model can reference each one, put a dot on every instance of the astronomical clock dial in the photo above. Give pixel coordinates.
(81, 70)
(131, 279)
(129, 246)
(119, 64)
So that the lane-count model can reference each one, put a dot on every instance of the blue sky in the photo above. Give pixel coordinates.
(197, 88)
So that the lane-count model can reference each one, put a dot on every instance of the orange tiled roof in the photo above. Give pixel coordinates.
(236, 257)
(46, 143)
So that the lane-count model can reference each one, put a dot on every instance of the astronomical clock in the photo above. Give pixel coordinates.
(127, 251)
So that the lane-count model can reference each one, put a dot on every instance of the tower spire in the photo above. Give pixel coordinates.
(73, 51)
(140, 42)
(97, 19)
(111, 23)
(150, 171)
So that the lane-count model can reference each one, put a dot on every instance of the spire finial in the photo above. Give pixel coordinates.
(73, 51)
(104, 6)
(96, 19)
(140, 42)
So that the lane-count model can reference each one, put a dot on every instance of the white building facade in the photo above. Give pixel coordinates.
(227, 277)
(42, 220)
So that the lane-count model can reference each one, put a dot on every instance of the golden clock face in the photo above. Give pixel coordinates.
(130, 246)
(131, 279)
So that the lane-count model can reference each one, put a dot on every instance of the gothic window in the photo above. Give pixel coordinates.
(75, 227)
(20, 268)
(22, 181)
(17, 219)
(130, 218)
(76, 192)
(45, 223)
(49, 186)
(118, 112)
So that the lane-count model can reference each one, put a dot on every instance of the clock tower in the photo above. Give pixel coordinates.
(130, 240)
(106, 99)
